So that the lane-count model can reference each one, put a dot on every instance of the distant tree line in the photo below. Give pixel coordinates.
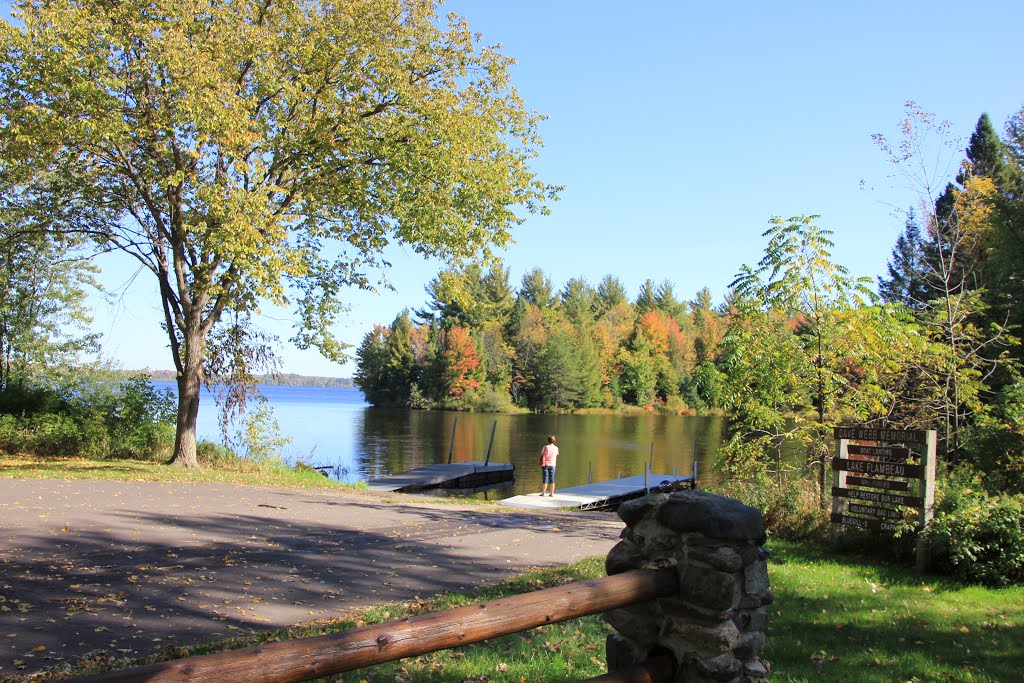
(285, 379)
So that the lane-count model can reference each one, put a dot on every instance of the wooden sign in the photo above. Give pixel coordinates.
(871, 511)
(885, 469)
(884, 435)
(884, 484)
(864, 522)
(885, 453)
(880, 498)
(877, 462)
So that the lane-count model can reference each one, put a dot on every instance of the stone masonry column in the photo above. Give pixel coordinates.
(714, 626)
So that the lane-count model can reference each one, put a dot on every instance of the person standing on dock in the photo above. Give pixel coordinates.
(548, 460)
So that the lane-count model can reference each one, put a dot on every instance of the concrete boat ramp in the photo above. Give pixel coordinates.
(466, 477)
(602, 494)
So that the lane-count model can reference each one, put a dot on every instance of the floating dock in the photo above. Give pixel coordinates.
(466, 477)
(604, 494)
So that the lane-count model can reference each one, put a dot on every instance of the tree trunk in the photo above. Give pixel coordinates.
(189, 379)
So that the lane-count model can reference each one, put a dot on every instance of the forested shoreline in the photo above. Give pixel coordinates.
(286, 379)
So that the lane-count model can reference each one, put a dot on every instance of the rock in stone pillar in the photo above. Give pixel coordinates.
(715, 625)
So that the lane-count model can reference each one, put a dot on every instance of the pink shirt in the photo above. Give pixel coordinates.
(548, 455)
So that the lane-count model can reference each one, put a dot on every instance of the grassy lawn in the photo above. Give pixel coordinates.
(835, 618)
(33, 467)
(840, 618)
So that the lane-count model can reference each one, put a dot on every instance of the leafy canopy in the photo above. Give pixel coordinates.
(250, 151)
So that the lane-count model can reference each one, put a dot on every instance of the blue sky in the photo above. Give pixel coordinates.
(680, 128)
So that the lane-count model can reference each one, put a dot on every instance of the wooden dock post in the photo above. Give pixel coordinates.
(451, 443)
(487, 459)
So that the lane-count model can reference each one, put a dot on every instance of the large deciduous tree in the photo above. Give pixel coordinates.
(254, 151)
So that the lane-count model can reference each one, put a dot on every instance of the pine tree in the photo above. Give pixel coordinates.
(579, 302)
(907, 281)
(536, 289)
(401, 362)
(987, 156)
(610, 293)
(371, 365)
(666, 300)
(647, 299)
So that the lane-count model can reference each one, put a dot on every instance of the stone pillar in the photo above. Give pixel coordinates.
(714, 626)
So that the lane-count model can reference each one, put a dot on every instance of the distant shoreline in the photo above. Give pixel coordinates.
(283, 379)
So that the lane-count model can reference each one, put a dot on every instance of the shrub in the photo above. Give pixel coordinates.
(491, 400)
(674, 405)
(97, 414)
(995, 443)
(140, 420)
(792, 508)
(978, 537)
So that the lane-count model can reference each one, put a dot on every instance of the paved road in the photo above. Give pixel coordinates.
(132, 568)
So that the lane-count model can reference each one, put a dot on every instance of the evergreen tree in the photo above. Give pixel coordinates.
(579, 302)
(986, 155)
(589, 372)
(647, 299)
(557, 379)
(702, 301)
(497, 294)
(536, 289)
(707, 327)
(371, 374)
(610, 293)
(401, 362)
(1008, 240)
(665, 299)
(907, 281)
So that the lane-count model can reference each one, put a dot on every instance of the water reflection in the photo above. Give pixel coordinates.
(335, 429)
(601, 446)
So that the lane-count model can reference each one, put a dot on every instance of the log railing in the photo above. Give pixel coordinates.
(306, 658)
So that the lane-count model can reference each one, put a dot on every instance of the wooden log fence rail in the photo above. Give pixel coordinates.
(308, 658)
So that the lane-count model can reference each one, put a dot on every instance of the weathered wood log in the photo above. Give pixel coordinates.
(306, 658)
(658, 669)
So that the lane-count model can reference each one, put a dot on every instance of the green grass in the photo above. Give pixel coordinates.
(34, 467)
(842, 618)
(835, 618)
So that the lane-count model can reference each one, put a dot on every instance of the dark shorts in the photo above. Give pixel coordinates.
(547, 475)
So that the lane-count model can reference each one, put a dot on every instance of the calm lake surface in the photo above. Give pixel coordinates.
(337, 428)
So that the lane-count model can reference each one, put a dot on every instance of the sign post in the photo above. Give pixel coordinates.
(873, 478)
(924, 554)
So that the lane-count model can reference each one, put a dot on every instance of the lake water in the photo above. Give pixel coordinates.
(337, 428)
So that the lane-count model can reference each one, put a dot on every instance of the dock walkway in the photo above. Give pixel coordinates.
(598, 495)
(454, 476)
